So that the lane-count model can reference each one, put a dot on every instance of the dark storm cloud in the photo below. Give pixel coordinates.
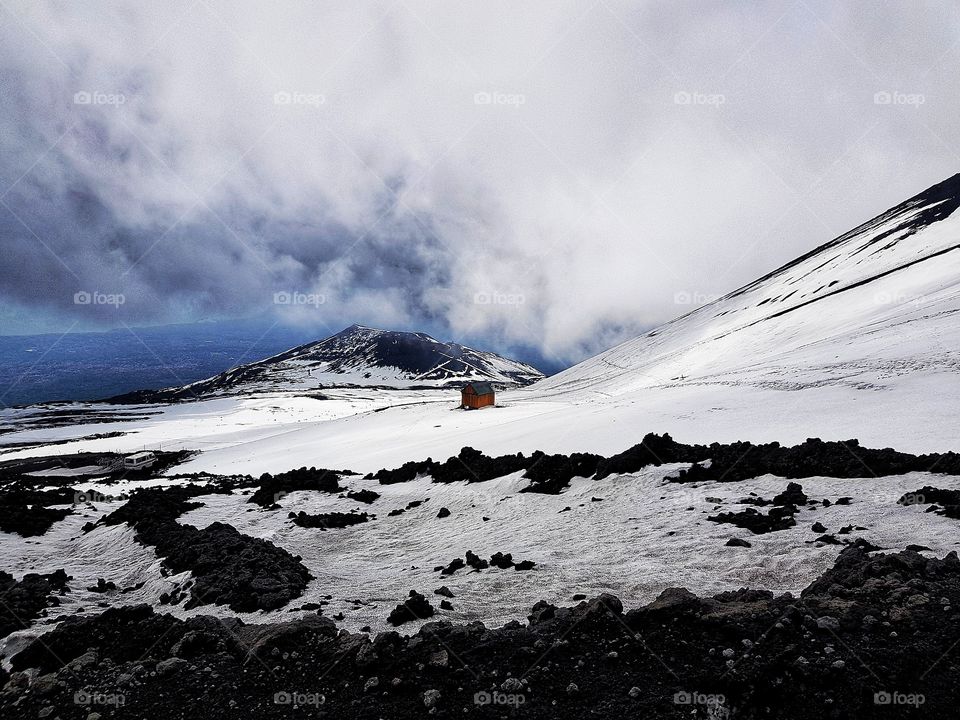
(552, 174)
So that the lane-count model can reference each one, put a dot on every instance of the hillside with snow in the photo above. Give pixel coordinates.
(357, 356)
(873, 311)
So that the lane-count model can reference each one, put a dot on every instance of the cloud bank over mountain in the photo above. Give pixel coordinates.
(558, 174)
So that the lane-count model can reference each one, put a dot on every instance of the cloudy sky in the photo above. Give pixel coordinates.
(556, 174)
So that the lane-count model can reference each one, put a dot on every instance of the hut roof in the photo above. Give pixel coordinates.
(480, 388)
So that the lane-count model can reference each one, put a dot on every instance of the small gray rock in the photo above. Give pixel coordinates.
(828, 622)
(511, 684)
(171, 666)
(45, 684)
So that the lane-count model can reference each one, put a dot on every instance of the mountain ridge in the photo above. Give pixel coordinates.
(357, 356)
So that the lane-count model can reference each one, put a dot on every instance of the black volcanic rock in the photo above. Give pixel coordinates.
(416, 607)
(476, 562)
(652, 450)
(228, 568)
(27, 599)
(29, 521)
(756, 522)
(455, 564)
(943, 502)
(552, 473)
(814, 457)
(274, 487)
(102, 586)
(469, 465)
(364, 496)
(793, 495)
(728, 462)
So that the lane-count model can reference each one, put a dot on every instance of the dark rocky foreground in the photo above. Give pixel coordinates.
(873, 637)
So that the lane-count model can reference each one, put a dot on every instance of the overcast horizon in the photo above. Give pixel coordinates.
(556, 176)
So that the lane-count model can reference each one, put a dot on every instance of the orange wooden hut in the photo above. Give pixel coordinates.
(477, 395)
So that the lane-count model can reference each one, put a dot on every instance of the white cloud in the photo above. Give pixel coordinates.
(595, 160)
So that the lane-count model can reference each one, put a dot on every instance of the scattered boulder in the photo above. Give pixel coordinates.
(453, 566)
(416, 607)
(365, 496)
(476, 562)
(171, 666)
(793, 495)
(778, 518)
(102, 586)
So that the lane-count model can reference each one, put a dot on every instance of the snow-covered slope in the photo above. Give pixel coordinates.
(356, 356)
(865, 311)
(642, 535)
